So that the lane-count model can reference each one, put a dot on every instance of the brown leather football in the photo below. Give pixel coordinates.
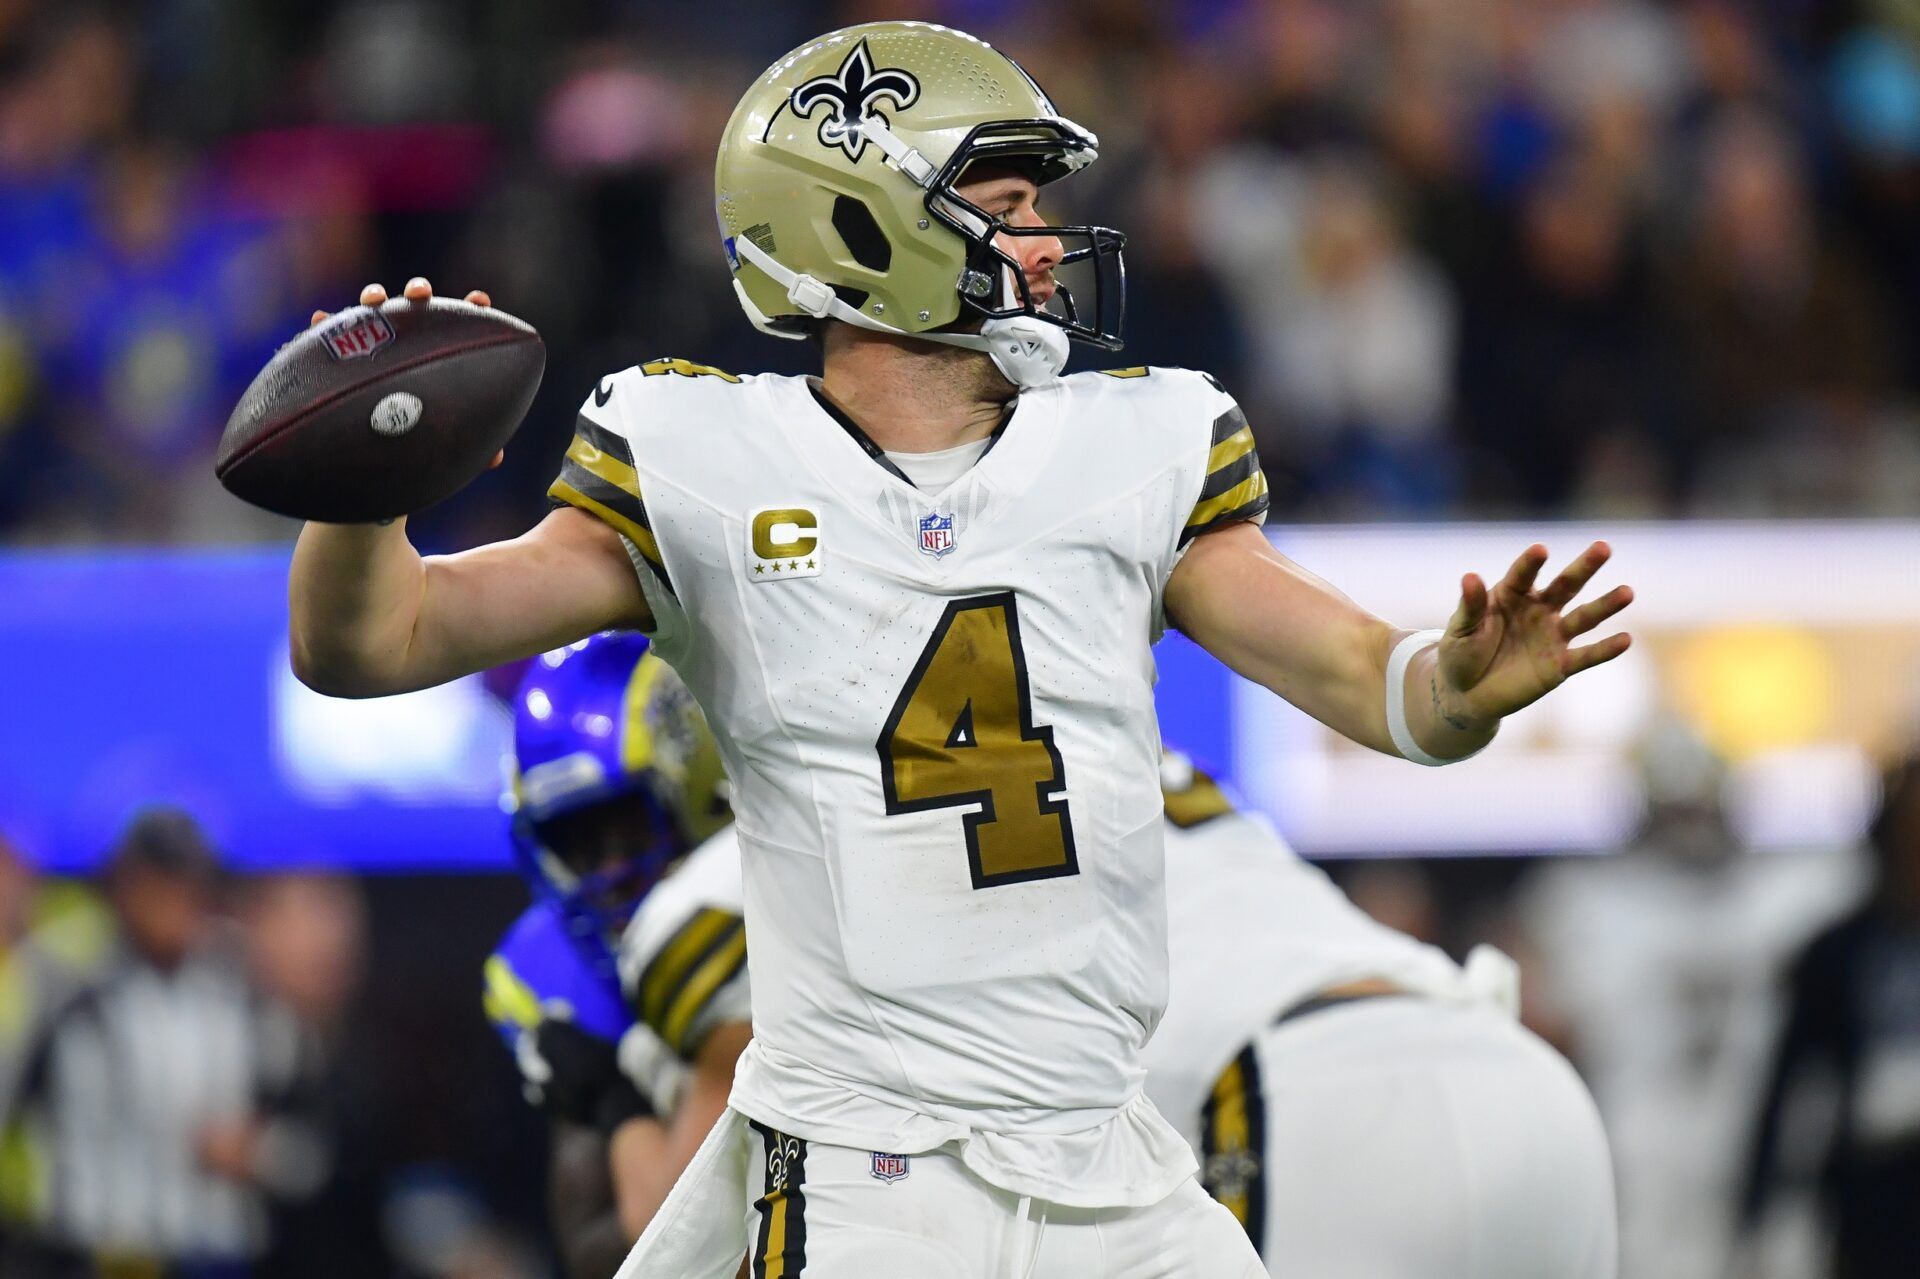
(377, 412)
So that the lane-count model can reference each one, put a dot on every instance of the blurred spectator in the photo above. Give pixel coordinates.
(53, 937)
(1875, 87)
(1843, 1098)
(1351, 332)
(1661, 960)
(186, 301)
(1563, 372)
(305, 941)
(165, 1166)
(1784, 333)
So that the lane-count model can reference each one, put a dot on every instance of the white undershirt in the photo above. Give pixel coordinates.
(932, 472)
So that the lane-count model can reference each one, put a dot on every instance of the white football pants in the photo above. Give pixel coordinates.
(828, 1212)
(1405, 1138)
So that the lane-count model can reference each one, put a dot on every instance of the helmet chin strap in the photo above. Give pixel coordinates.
(1028, 351)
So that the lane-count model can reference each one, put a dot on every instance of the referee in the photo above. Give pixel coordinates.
(146, 1125)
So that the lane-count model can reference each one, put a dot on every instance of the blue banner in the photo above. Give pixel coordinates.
(142, 677)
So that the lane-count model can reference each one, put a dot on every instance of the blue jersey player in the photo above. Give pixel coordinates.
(615, 779)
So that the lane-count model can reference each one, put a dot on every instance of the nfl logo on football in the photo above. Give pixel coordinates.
(356, 334)
(936, 534)
(891, 1168)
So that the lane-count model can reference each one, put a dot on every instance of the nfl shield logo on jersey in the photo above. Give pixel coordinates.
(891, 1168)
(936, 534)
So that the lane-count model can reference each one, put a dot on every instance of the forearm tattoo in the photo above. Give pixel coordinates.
(1457, 723)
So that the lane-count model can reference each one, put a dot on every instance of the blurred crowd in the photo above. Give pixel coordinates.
(1607, 258)
(1603, 257)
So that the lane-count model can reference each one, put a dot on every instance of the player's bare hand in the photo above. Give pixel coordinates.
(1510, 646)
(418, 290)
(227, 1149)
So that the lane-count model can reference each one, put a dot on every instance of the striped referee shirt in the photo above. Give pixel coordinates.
(124, 1082)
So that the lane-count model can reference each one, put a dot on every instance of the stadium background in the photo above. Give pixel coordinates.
(1653, 267)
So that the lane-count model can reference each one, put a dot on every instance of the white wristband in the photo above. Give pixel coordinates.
(1403, 655)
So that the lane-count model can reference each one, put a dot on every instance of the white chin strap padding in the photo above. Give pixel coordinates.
(1029, 352)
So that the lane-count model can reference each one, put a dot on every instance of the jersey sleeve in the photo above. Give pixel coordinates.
(683, 960)
(693, 980)
(1234, 488)
(599, 476)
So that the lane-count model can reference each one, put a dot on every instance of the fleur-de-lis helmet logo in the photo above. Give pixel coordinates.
(850, 95)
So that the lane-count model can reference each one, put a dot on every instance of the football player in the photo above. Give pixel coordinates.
(916, 596)
(615, 777)
(1364, 1107)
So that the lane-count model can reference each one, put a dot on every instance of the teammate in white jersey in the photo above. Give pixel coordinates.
(1365, 1108)
(935, 705)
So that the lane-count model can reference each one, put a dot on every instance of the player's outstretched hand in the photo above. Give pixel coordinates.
(1510, 646)
(418, 290)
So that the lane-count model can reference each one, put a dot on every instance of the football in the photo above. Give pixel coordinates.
(377, 412)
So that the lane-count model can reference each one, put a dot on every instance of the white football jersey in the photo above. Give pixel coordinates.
(683, 966)
(1254, 930)
(1670, 974)
(937, 714)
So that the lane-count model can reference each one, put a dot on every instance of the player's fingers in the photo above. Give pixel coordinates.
(1519, 578)
(1591, 655)
(373, 295)
(418, 290)
(479, 298)
(501, 456)
(1473, 606)
(1587, 616)
(317, 317)
(1562, 589)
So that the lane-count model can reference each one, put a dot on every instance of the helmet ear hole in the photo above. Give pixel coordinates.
(862, 235)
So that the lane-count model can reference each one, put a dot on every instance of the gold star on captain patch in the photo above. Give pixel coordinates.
(759, 568)
(793, 566)
(810, 564)
(776, 566)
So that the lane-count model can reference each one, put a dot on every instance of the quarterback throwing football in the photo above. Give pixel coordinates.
(917, 596)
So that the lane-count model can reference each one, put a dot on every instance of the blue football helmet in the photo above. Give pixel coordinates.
(615, 777)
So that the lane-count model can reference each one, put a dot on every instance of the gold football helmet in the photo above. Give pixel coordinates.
(835, 190)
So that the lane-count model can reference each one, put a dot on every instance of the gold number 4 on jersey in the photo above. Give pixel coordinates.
(962, 733)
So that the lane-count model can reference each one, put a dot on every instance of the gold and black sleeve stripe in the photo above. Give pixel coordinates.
(1235, 488)
(780, 1248)
(692, 968)
(1233, 1145)
(598, 476)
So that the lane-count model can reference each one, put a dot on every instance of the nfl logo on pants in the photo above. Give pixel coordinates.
(936, 534)
(891, 1168)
